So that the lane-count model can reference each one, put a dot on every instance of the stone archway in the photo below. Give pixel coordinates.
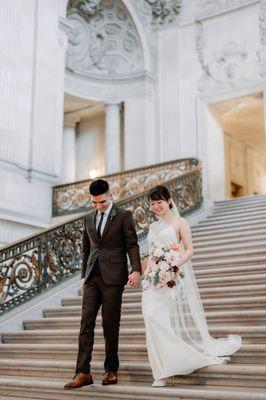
(108, 61)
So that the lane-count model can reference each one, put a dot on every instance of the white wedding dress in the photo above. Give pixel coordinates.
(177, 336)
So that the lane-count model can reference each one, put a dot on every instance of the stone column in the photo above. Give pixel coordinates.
(69, 150)
(112, 138)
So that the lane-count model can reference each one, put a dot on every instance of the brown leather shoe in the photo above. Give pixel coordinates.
(109, 378)
(79, 380)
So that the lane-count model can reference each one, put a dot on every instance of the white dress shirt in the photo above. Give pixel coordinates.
(98, 217)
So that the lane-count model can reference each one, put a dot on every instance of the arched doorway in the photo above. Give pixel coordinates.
(242, 123)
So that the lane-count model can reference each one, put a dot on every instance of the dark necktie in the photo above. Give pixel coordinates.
(100, 226)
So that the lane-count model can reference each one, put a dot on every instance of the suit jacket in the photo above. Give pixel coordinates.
(118, 239)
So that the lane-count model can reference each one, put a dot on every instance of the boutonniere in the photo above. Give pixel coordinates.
(112, 214)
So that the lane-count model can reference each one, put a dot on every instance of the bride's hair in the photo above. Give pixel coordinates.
(160, 192)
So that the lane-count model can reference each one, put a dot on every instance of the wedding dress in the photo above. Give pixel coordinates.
(177, 336)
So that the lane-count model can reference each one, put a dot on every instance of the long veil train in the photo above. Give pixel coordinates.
(188, 317)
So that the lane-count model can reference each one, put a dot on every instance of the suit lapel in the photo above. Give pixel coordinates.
(108, 222)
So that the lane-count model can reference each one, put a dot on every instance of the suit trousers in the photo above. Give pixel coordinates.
(97, 294)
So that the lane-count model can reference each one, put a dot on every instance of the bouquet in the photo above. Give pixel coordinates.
(163, 268)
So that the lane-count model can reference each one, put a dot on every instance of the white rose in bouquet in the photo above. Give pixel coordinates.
(158, 253)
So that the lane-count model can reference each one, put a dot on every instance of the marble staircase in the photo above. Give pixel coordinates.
(230, 267)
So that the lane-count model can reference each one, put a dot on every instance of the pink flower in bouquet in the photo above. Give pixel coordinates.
(175, 246)
(164, 276)
(173, 258)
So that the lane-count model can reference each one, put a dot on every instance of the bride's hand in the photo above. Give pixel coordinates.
(175, 246)
(144, 263)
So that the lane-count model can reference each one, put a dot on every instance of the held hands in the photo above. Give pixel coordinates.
(133, 279)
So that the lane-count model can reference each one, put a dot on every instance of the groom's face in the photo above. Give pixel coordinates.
(101, 202)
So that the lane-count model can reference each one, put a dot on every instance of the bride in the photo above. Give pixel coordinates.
(177, 336)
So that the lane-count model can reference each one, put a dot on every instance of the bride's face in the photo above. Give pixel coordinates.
(159, 207)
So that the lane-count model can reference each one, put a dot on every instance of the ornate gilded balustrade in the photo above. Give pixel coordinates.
(74, 197)
(34, 265)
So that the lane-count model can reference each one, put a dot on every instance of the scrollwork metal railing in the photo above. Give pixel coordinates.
(74, 197)
(32, 266)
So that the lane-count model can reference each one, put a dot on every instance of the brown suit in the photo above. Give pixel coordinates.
(105, 271)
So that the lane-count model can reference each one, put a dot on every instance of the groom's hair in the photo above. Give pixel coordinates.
(99, 186)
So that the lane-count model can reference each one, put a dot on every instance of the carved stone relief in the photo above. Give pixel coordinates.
(233, 62)
(103, 40)
(164, 11)
(157, 14)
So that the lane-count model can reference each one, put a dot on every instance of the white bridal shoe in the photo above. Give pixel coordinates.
(159, 382)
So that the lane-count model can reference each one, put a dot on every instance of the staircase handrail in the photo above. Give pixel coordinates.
(74, 197)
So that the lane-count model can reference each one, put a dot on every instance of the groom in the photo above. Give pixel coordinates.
(109, 236)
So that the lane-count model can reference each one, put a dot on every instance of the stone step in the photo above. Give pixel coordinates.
(130, 335)
(248, 353)
(250, 334)
(205, 285)
(205, 282)
(246, 375)
(231, 280)
(230, 227)
(228, 296)
(230, 271)
(236, 240)
(13, 398)
(243, 200)
(231, 254)
(219, 247)
(52, 389)
(256, 317)
(244, 260)
(235, 211)
(237, 304)
(235, 214)
(134, 311)
(243, 235)
(253, 216)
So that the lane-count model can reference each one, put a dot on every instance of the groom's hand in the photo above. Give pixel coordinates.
(133, 279)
